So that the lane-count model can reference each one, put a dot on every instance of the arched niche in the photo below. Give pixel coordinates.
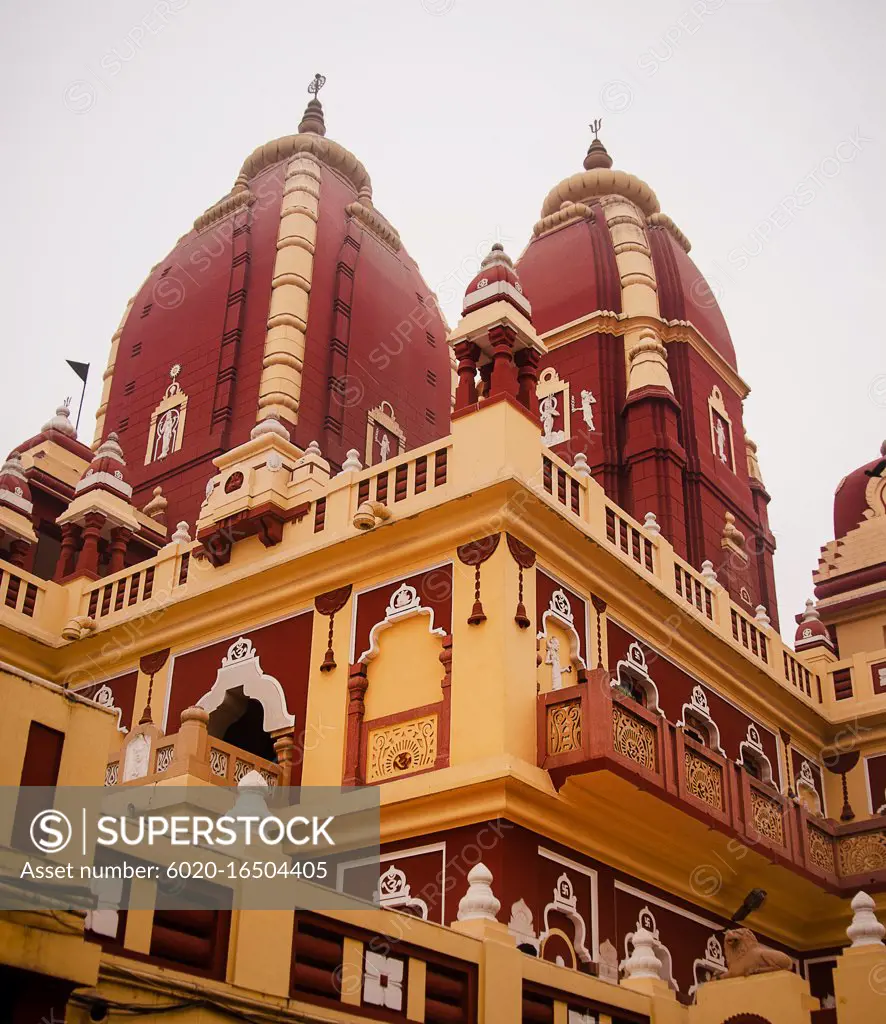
(753, 758)
(697, 713)
(241, 672)
(559, 645)
(632, 674)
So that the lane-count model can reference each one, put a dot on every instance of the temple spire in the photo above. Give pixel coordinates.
(312, 119)
(597, 155)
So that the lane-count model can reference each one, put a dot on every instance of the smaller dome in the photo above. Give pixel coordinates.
(811, 631)
(851, 506)
(107, 471)
(15, 493)
(496, 280)
(61, 422)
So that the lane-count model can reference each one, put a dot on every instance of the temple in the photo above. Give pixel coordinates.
(515, 574)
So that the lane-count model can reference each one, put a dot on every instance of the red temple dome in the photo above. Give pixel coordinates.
(811, 631)
(851, 506)
(496, 280)
(570, 268)
(291, 297)
(15, 493)
(107, 471)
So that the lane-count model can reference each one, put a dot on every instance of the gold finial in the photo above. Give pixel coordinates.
(312, 120)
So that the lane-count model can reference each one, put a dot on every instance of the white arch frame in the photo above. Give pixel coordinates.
(754, 745)
(394, 893)
(713, 961)
(560, 610)
(698, 706)
(566, 902)
(241, 669)
(404, 604)
(634, 667)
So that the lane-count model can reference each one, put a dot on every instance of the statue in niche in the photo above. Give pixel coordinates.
(552, 658)
(384, 445)
(548, 412)
(167, 428)
(720, 432)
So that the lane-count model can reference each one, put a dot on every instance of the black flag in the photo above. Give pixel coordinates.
(81, 369)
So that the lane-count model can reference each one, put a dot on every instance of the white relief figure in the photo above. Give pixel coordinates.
(167, 428)
(552, 658)
(135, 761)
(587, 408)
(720, 432)
(384, 446)
(548, 412)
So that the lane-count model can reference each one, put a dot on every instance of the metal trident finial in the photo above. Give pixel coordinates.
(595, 126)
(317, 83)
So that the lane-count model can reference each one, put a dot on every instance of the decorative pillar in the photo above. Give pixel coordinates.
(357, 685)
(284, 747)
(87, 560)
(70, 541)
(789, 782)
(18, 553)
(503, 379)
(466, 391)
(445, 719)
(527, 379)
(120, 537)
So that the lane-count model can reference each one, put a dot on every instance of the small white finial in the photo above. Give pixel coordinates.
(650, 524)
(762, 617)
(811, 612)
(313, 449)
(479, 903)
(269, 425)
(182, 534)
(580, 464)
(643, 962)
(61, 421)
(110, 449)
(865, 929)
(352, 461)
(708, 573)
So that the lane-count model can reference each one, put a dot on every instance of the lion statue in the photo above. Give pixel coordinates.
(745, 955)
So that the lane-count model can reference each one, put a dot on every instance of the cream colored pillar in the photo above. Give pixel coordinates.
(645, 357)
(280, 387)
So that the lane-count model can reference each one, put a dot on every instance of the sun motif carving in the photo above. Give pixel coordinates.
(704, 779)
(821, 849)
(402, 748)
(633, 738)
(862, 854)
(767, 819)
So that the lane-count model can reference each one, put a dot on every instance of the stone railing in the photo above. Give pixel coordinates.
(328, 510)
(589, 727)
(192, 752)
(20, 591)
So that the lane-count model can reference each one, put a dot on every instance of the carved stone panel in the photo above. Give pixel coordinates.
(704, 779)
(861, 854)
(767, 817)
(564, 727)
(633, 738)
(821, 849)
(401, 748)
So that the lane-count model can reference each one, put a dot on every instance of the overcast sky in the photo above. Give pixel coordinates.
(757, 122)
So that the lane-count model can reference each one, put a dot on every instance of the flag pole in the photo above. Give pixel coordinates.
(82, 371)
(80, 407)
